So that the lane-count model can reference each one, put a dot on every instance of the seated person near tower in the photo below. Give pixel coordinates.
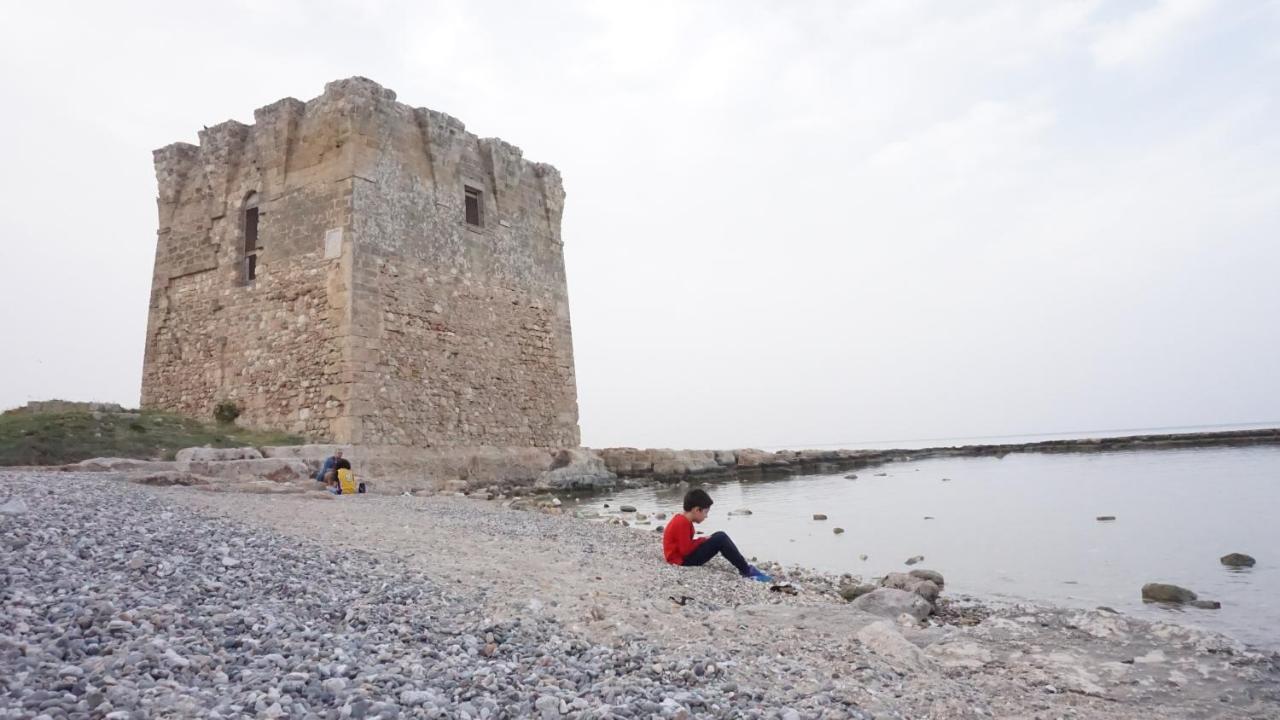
(329, 471)
(680, 547)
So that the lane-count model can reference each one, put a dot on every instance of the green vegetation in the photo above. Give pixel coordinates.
(55, 438)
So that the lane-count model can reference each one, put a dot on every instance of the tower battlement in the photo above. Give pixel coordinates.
(359, 270)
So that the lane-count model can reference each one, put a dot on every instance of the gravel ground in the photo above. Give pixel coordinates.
(124, 601)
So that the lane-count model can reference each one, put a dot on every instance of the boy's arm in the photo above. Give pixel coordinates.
(687, 543)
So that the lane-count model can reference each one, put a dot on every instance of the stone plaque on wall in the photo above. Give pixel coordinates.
(333, 244)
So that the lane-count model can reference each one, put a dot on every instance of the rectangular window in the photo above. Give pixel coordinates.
(250, 267)
(251, 230)
(474, 206)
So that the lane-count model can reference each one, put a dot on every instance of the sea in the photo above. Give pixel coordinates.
(1025, 527)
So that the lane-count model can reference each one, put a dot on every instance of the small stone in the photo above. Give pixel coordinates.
(1237, 560)
(946, 479)
(819, 516)
(851, 477)
(740, 511)
(862, 557)
(916, 559)
(837, 531)
(627, 508)
(1106, 518)
(853, 592)
(1206, 604)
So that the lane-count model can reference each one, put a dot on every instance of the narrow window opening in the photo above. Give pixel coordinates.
(251, 237)
(474, 207)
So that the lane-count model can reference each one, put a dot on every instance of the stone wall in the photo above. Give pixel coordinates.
(379, 314)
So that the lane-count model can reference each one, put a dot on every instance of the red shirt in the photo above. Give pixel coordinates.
(677, 540)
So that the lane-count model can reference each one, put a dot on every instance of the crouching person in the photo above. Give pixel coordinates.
(680, 547)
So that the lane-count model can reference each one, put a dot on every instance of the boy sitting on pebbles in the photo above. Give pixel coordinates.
(680, 547)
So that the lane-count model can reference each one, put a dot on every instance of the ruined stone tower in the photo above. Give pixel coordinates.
(361, 271)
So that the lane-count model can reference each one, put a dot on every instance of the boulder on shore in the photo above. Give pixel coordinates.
(926, 589)
(932, 575)
(1164, 592)
(890, 603)
(854, 591)
(1237, 560)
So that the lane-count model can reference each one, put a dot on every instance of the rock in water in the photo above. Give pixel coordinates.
(1237, 560)
(627, 508)
(837, 531)
(1206, 604)
(1106, 518)
(850, 477)
(740, 511)
(819, 516)
(916, 559)
(1163, 592)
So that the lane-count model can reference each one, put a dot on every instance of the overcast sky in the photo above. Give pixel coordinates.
(787, 223)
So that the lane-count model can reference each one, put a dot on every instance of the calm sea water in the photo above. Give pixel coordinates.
(1024, 527)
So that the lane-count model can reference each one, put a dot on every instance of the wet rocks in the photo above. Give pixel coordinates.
(1164, 592)
(1205, 604)
(915, 560)
(837, 531)
(1237, 560)
(627, 508)
(819, 516)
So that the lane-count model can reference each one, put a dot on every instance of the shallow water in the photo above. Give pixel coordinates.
(1023, 527)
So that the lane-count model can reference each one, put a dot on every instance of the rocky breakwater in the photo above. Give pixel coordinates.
(665, 464)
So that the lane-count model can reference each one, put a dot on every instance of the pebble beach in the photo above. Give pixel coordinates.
(126, 601)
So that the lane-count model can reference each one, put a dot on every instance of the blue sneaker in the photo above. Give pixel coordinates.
(755, 574)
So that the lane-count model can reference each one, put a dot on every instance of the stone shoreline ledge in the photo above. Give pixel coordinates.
(398, 469)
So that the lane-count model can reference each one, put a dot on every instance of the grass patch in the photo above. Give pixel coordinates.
(66, 437)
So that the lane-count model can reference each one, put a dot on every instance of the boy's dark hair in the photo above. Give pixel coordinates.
(697, 498)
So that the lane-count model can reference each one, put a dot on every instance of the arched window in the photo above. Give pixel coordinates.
(251, 237)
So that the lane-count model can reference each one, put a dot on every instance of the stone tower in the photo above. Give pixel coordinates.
(361, 271)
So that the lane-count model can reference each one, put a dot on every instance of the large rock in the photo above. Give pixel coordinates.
(208, 454)
(891, 602)
(575, 468)
(853, 591)
(1237, 560)
(110, 464)
(1164, 592)
(750, 457)
(931, 575)
(274, 469)
(883, 639)
(926, 589)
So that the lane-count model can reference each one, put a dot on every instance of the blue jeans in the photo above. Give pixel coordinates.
(718, 544)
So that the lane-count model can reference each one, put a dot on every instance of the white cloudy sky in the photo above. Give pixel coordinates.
(787, 223)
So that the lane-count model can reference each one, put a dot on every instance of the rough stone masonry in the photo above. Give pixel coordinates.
(361, 271)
